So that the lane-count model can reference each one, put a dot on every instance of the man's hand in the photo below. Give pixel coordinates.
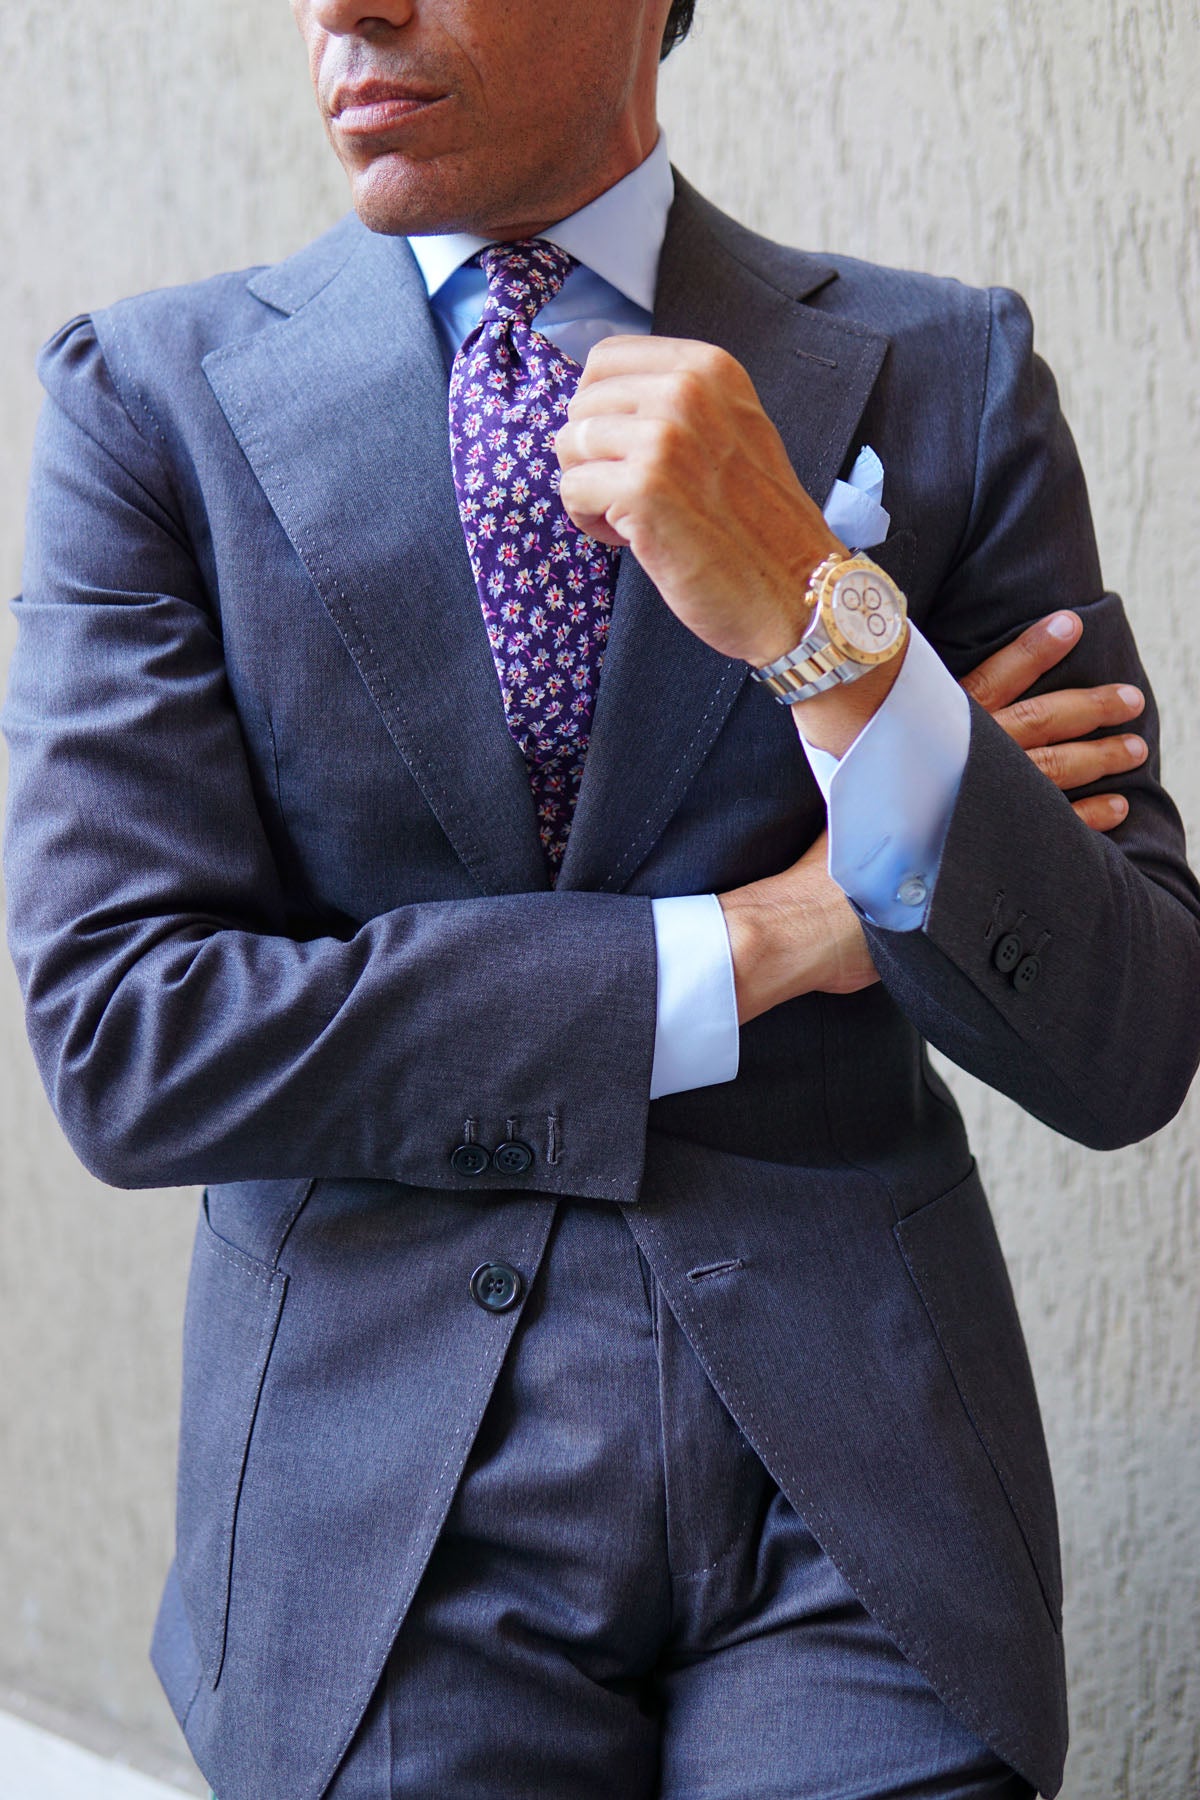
(1050, 727)
(796, 933)
(667, 450)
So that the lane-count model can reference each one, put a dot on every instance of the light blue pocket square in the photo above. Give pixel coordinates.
(853, 510)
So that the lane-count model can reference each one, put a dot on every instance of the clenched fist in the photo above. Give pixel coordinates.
(668, 450)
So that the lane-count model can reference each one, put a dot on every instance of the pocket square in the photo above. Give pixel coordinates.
(854, 510)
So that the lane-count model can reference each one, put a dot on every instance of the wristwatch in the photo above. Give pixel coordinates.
(859, 620)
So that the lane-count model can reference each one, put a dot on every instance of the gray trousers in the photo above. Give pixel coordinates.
(622, 1602)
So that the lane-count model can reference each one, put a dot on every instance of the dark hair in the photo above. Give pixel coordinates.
(679, 23)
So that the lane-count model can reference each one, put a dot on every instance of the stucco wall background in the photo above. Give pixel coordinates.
(1053, 149)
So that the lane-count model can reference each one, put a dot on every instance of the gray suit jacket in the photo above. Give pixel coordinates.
(283, 927)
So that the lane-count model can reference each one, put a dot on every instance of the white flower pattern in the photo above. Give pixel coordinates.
(543, 585)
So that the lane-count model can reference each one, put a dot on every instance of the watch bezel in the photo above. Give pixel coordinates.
(830, 577)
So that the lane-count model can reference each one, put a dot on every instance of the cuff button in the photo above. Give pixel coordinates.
(512, 1157)
(1007, 953)
(469, 1159)
(1026, 973)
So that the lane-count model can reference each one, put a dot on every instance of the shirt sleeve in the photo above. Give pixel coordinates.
(891, 795)
(696, 1029)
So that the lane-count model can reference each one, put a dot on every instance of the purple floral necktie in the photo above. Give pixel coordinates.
(545, 588)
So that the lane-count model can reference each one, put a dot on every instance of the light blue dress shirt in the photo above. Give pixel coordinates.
(889, 798)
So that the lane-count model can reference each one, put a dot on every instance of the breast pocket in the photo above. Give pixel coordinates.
(955, 1260)
(232, 1313)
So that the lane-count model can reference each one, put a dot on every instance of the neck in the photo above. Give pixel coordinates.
(637, 139)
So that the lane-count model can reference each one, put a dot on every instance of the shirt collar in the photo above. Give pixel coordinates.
(618, 235)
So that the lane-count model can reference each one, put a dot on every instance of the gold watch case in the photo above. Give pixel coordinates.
(861, 609)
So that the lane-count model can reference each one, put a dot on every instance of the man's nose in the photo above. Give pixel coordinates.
(342, 18)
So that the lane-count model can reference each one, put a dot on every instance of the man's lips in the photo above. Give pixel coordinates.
(374, 106)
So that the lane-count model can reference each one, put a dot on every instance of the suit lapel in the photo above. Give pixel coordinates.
(340, 409)
(664, 695)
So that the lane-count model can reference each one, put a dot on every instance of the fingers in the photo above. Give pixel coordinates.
(617, 466)
(654, 393)
(1070, 713)
(613, 437)
(636, 355)
(1102, 811)
(1077, 765)
(600, 494)
(1004, 677)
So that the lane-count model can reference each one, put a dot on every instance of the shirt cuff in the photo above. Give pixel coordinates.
(891, 796)
(696, 1029)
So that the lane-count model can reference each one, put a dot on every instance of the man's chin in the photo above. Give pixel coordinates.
(402, 198)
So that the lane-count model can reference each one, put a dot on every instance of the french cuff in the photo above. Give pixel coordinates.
(696, 1027)
(890, 797)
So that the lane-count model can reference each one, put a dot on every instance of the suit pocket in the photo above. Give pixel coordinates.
(956, 1263)
(232, 1312)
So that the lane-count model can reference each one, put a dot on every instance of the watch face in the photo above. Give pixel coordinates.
(867, 613)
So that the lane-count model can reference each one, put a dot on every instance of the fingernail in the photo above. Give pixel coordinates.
(1136, 747)
(1131, 696)
(1117, 807)
(1063, 625)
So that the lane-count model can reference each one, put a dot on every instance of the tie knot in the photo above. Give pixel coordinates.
(522, 277)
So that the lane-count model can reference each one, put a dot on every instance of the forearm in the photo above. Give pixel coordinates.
(791, 934)
(183, 1051)
(1101, 1037)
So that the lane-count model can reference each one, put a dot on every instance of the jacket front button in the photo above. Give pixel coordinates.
(512, 1157)
(1026, 973)
(496, 1287)
(469, 1159)
(1007, 953)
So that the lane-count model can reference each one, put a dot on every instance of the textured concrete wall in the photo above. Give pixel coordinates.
(1054, 149)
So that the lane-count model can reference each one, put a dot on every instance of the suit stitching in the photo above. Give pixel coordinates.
(829, 273)
(285, 1231)
(626, 862)
(234, 1258)
(853, 375)
(140, 397)
(390, 1626)
(182, 535)
(920, 1268)
(846, 1560)
(360, 647)
(262, 1356)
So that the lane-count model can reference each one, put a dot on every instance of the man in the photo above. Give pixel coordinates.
(582, 1396)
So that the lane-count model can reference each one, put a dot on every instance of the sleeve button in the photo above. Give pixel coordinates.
(469, 1159)
(512, 1157)
(1007, 953)
(1026, 973)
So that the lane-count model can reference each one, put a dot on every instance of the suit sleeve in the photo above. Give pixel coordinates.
(183, 1032)
(1059, 964)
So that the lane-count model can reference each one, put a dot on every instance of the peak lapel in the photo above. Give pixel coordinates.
(340, 408)
(664, 695)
